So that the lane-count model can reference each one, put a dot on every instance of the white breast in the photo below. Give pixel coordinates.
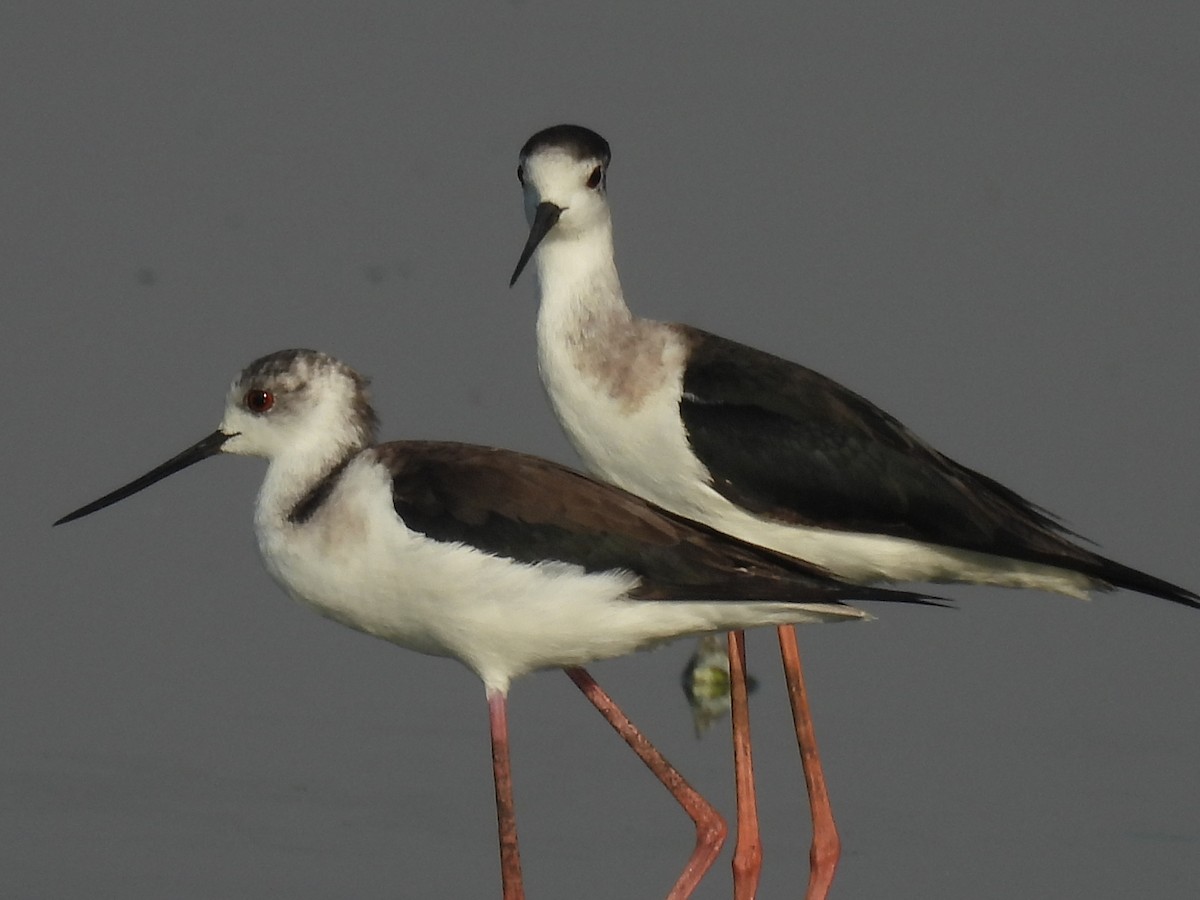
(356, 562)
(644, 449)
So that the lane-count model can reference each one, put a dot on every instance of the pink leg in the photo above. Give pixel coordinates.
(826, 845)
(747, 856)
(510, 855)
(710, 827)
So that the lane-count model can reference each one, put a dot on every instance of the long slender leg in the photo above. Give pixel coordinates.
(747, 856)
(506, 816)
(826, 845)
(710, 827)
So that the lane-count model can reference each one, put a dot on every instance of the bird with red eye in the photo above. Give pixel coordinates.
(259, 401)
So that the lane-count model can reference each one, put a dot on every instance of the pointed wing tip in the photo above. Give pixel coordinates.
(1187, 598)
(912, 597)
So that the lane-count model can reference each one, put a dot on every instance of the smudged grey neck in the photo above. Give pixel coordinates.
(621, 354)
(584, 322)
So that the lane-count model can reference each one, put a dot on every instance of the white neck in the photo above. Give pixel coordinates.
(612, 378)
(578, 282)
(292, 474)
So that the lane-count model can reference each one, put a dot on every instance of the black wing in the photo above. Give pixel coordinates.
(789, 444)
(531, 510)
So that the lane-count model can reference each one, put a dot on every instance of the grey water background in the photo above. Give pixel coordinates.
(981, 216)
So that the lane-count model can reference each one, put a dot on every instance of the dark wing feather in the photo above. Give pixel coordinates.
(787, 443)
(531, 510)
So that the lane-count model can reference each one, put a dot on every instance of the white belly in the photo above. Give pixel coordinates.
(355, 562)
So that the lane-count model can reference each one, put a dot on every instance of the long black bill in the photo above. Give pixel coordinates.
(202, 449)
(545, 217)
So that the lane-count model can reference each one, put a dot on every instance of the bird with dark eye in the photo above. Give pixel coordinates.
(596, 177)
(259, 401)
(521, 175)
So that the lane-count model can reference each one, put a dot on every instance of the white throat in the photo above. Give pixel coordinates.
(577, 274)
